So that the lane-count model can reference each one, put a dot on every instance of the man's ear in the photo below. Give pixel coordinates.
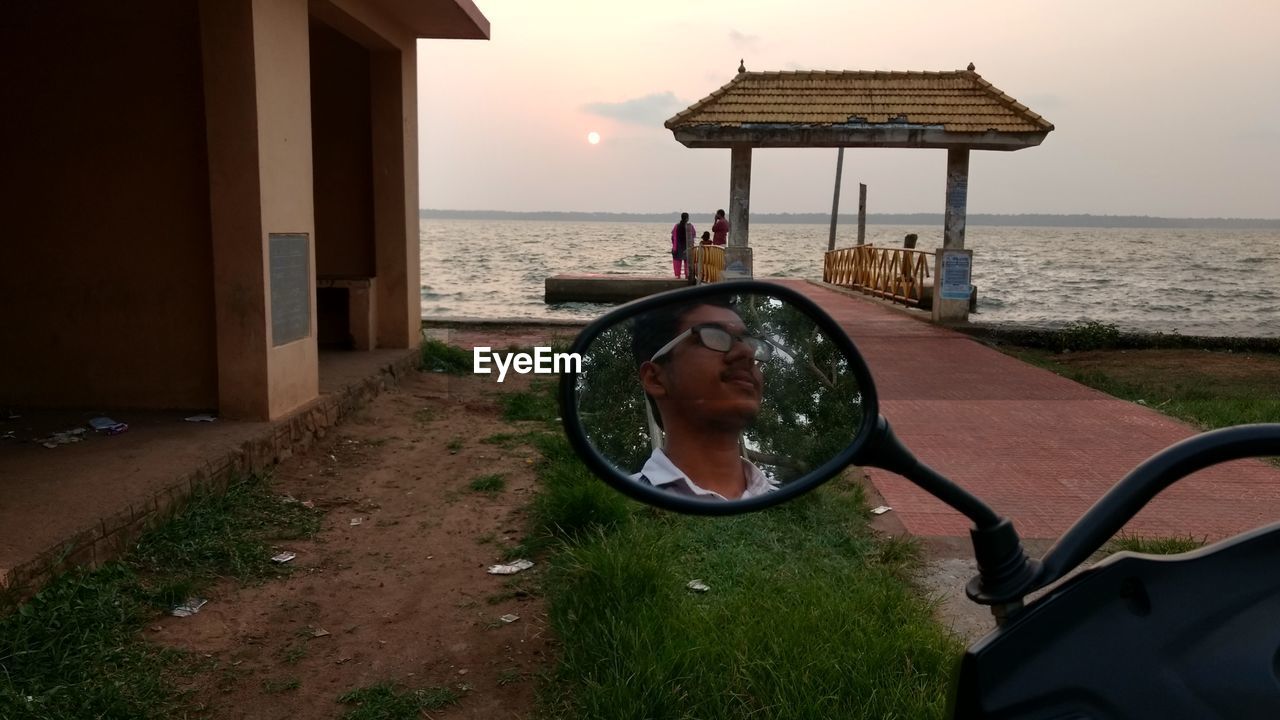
(651, 379)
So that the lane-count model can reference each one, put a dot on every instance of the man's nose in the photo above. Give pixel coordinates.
(740, 351)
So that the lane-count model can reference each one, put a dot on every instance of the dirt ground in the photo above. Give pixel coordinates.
(394, 587)
(404, 597)
(1188, 366)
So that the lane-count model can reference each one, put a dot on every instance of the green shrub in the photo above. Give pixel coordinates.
(437, 356)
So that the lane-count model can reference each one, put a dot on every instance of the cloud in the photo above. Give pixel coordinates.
(743, 41)
(648, 110)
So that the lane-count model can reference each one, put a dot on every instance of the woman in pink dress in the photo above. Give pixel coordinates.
(682, 236)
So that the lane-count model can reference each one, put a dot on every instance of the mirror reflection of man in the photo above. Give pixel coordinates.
(700, 369)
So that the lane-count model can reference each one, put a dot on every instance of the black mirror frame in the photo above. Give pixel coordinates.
(652, 496)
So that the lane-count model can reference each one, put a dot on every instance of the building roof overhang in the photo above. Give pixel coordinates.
(851, 136)
(444, 19)
(952, 109)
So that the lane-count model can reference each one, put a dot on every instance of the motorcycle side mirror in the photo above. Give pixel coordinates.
(719, 399)
(737, 396)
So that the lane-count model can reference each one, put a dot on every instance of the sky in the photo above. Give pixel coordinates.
(1161, 108)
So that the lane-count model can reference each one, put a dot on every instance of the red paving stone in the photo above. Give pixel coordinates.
(1037, 447)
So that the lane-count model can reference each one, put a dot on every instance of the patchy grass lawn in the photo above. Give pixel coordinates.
(1205, 388)
(74, 650)
(808, 614)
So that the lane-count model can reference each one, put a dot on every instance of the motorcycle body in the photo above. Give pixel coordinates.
(735, 397)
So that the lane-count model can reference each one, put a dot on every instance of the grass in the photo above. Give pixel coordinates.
(454, 446)
(809, 615)
(386, 701)
(491, 484)
(75, 650)
(437, 356)
(537, 403)
(295, 653)
(1155, 545)
(1202, 397)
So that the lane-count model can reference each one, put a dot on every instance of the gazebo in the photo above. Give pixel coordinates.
(956, 110)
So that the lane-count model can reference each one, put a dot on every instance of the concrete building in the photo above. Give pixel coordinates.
(197, 192)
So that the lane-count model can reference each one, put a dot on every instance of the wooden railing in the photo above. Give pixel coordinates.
(898, 274)
(706, 262)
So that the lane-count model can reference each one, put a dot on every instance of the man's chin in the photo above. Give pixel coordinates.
(735, 419)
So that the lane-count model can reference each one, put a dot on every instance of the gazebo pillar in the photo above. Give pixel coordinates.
(952, 272)
(957, 197)
(737, 260)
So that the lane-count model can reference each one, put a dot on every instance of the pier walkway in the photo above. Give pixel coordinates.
(1037, 447)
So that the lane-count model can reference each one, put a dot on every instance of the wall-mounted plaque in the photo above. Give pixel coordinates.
(956, 267)
(290, 258)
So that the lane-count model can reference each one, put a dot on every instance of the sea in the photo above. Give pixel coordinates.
(1190, 281)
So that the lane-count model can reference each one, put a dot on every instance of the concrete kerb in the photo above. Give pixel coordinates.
(110, 536)
(451, 322)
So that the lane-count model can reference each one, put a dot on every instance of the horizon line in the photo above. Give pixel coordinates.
(842, 214)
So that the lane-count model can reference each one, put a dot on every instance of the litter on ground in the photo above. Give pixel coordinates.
(65, 437)
(188, 608)
(510, 568)
(108, 426)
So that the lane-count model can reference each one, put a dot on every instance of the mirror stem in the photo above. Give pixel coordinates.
(886, 451)
(1006, 573)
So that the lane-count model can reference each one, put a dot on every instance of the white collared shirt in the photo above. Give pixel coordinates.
(661, 473)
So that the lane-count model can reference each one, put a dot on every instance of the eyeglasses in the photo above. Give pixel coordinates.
(714, 337)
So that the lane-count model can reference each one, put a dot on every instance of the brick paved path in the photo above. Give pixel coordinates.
(1036, 447)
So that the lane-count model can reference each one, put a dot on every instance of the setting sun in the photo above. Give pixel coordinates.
(593, 137)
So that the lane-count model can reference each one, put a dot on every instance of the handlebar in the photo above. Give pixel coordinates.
(1144, 482)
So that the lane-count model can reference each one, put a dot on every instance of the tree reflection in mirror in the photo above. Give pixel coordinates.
(722, 397)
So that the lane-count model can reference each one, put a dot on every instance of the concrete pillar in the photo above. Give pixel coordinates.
(393, 94)
(957, 197)
(950, 304)
(737, 255)
(362, 310)
(739, 195)
(258, 130)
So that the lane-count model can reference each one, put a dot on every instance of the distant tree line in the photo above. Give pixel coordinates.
(1020, 220)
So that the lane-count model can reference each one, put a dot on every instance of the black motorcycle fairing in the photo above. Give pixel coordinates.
(1195, 635)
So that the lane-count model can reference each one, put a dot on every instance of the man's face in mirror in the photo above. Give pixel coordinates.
(699, 388)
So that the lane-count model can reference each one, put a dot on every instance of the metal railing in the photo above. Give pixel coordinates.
(897, 274)
(706, 263)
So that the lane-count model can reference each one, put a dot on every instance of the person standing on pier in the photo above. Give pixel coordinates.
(720, 229)
(682, 236)
(908, 263)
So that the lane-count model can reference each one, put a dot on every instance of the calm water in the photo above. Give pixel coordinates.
(1197, 282)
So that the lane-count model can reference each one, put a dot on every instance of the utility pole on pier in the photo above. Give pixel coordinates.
(835, 201)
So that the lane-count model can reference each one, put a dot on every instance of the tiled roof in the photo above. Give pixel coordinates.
(957, 101)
